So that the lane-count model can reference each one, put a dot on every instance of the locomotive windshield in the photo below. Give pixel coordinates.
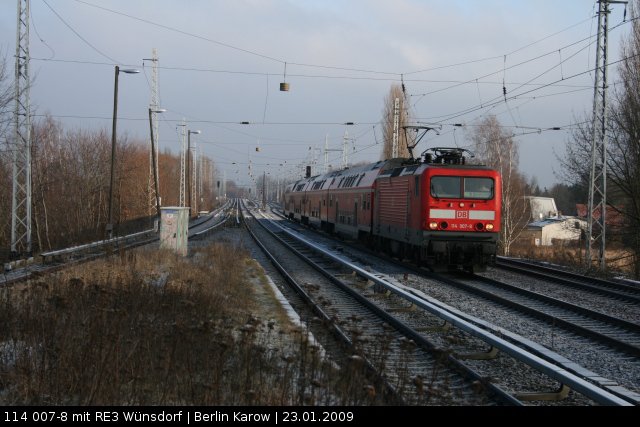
(457, 187)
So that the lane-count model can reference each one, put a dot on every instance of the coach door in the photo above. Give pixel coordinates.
(355, 212)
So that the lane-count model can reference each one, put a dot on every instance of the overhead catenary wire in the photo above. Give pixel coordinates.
(504, 69)
(520, 85)
(42, 40)
(310, 76)
(498, 100)
(78, 34)
(380, 75)
(322, 66)
(252, 52)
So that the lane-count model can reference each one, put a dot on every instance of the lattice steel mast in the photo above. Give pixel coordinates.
(154, 104)
(396, 128)
(193, 181)
(597, 208)
(345, 150)
(21, 199)
(183, 157)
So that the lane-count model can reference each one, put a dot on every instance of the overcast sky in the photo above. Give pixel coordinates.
(221, 63)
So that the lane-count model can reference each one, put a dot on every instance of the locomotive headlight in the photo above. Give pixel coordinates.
(489, 227)
(433, 225)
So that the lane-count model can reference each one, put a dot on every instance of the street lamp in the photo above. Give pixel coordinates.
(189, 132)
(155, 165)
(113, 144)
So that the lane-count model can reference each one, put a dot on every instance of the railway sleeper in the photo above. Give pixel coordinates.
(380, 290)
(440, 328)
(491, 354)
(410, 307)
(351, 277)
(559, 394)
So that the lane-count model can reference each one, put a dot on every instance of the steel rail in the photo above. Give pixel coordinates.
(568, 279)
(577, 383)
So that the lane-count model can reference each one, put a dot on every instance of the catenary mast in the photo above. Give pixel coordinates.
(21, 187)
(597, 212)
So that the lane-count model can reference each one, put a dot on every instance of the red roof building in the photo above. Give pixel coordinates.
(614, 218)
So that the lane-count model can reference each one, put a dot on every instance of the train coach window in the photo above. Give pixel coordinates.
(478, 188)
(445, 186)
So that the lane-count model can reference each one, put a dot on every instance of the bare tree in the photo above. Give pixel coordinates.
(69, 170)
(496, 148)
(388, 113)
(623, 164)
(577, 154)
(624, 146)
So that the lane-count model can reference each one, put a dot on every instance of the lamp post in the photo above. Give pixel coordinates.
(154, 161)
(113, 145)
(189, 132)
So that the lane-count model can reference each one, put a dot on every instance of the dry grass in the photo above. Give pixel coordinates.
(151, 328)
(558, 254)
(619, 260)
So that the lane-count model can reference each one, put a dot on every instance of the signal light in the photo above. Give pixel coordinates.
(489, 227)
(433, 225)
(444, 225)
(479, 226)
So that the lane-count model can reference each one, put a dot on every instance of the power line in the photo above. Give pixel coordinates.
(166, 27)
(499, 56)
(321, 66)
(33, 23)
(251, 73)
(244, 123)
(499, 99)
(78, 34)
(504, 69)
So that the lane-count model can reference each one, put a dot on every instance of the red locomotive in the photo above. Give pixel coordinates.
(440, 212)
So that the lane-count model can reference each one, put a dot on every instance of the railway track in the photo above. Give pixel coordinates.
(426, 346)
(483, 333)
(611, 331)
(51, 261)
(413, 368)
(600, 287)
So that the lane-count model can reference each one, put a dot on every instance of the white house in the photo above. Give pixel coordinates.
(544, 232)
(542, 207)
(548, 225)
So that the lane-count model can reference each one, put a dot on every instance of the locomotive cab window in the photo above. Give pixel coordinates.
(456, 187)
(445, 186)
(478, 188)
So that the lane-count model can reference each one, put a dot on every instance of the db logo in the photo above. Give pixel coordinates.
(462, 214)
